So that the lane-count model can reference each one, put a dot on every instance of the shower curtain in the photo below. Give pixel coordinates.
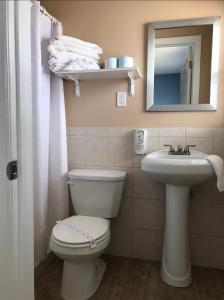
(49, 136)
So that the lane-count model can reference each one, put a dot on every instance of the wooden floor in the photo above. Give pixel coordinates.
(133, 279)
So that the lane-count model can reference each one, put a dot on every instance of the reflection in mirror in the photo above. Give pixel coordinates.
(182, 56)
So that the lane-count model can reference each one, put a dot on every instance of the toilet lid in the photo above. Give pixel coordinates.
(80, 230)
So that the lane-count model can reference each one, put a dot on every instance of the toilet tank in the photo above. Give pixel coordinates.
(95, 192)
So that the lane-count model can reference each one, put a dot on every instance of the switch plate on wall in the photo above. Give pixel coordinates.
(121, 99)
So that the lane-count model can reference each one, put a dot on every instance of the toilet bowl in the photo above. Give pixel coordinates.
(81, 239)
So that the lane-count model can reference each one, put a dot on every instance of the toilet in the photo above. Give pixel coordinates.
(81, 239)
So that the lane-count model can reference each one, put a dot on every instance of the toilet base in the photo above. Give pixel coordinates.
(80, 280)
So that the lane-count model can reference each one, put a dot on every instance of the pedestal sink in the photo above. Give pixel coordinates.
(179, 173)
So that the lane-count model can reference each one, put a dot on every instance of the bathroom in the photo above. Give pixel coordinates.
(66, 137)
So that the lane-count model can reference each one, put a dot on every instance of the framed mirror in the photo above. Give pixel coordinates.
(182, 66)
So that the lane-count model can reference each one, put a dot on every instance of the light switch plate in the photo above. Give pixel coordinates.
(121, 99)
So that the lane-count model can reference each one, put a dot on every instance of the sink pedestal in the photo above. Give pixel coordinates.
(176, 267)
(179, 173)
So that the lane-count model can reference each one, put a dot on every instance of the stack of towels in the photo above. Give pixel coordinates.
(70, 54)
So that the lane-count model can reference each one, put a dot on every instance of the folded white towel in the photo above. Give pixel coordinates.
(217, 164)
(75, 41)
(73, 66)
(68, 53)
(76, 65)
(66, 56)
(72, 62)
(69, 43)
(59, 46)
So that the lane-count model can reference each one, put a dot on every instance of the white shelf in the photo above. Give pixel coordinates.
(120, 73)
(99, 74)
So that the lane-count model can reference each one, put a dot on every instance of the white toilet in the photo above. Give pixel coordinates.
(80, 240)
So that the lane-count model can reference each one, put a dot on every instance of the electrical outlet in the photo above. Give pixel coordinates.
(121, 99)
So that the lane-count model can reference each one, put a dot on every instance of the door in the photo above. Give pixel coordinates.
(16, 237)
(8, 152)
(186, 79)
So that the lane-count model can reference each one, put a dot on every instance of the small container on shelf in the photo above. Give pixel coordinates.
(110, 63)
(125, 62)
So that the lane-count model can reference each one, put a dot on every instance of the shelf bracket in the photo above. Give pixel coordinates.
(77, 87)
(131, 84)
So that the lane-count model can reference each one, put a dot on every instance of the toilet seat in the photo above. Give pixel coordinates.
(81, 231)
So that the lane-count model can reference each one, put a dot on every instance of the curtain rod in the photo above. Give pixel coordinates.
(44, 12)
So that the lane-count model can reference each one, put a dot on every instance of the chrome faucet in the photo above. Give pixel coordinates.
(180, 150)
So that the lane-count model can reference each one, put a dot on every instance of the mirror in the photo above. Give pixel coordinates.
(182, 69)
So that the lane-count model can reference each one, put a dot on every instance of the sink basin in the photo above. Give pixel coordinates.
(179, 173)
(180, 170)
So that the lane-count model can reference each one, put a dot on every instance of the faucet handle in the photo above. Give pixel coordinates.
(172, 149)
(187, 148)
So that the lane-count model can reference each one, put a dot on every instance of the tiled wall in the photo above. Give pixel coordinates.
(138, 230)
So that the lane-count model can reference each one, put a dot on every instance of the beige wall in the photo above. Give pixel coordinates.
(120, 27)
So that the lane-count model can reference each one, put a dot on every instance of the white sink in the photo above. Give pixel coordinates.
(180, 170)
(179, 173)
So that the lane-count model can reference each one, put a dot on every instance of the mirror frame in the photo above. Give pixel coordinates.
(212, 106)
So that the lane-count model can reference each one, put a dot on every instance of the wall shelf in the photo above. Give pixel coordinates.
(120, 73)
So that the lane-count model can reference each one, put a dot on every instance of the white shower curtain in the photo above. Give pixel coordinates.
(49, 136)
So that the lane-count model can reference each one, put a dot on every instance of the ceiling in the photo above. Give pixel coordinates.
(170, 59)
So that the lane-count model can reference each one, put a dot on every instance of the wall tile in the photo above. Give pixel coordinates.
(203, 192)
(72, 167)
(159, 244)
(128, 183)
(219, 132)
(199, 218)
(120, 151)
(160, 215)
(97, 150)
(153, 131)
(120, 131)
(200, 250)
(121, 242)
(144, 214)
(124, 218)
(76, 150)
(143, 185)
(137, 159)
(172, 132)
(202, 144)
(217, 250)
(161, 191)
(152, 144)
(97, 131)
(219, 146)
(76, 131)
(217, 218)
(218, 197)
(144, 244)
(199, 132)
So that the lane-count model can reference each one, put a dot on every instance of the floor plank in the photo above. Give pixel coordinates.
(135, 279)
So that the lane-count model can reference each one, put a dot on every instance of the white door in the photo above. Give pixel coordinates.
(8, 152)
(16, 257)
(186, 81)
